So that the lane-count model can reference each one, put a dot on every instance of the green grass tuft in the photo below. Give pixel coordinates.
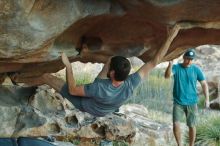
(207, 129)
(155, 92)
(120, 143)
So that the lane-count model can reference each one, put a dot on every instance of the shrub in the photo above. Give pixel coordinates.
(208, 129)
(120, 143)
(155, 92)
(83, 78)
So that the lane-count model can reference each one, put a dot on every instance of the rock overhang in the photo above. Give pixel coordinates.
(34, 33)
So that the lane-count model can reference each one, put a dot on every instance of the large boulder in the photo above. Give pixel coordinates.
(41, 112)
(215, 104)
(34, 32)
(215, 92)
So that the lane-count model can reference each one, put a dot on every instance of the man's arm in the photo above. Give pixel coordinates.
(104, 71)
(73, 89)
(205, 89)
(147, 67)
(168, 71)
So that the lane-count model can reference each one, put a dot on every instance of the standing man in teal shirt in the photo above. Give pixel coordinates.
(185, 97)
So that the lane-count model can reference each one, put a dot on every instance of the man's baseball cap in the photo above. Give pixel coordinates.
(190, 53)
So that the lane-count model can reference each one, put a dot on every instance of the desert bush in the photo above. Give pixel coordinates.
(120, 143)
(155, 92)
(207, 129)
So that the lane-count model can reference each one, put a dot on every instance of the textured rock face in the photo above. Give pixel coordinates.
(34, 32)
(42, 112)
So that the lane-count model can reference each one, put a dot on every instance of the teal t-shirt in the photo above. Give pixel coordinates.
(103, 98)
(185, 80)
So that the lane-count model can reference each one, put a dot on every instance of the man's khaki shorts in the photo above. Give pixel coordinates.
(190, 112)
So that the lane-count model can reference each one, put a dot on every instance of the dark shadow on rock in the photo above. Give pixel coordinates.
(15, 95)
(27, 118)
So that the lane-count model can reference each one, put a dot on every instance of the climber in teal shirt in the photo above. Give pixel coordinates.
(111, 88)
(113, 85)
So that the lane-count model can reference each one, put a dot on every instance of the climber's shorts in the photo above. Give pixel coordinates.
(75, 100)
(189, 111)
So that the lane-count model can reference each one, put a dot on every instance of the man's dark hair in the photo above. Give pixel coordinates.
(121, 66)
